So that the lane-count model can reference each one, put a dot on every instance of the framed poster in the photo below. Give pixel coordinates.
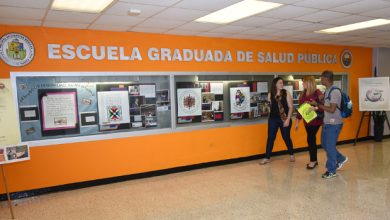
(374, 94)
(239, 99)
(189, 102)
(59, 113)
(113, 107)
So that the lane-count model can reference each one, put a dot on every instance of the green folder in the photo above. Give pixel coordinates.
(307, 113)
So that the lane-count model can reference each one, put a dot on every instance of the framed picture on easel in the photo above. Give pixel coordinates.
(374, 94)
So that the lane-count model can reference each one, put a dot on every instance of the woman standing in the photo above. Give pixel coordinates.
(312, 96)
(280, 118)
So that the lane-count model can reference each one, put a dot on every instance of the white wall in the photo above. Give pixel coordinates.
(381, 61)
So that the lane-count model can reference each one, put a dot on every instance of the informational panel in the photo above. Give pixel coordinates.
(9, 129)
(239, 99)
(189, 102)
(14, 153)
(374, 94)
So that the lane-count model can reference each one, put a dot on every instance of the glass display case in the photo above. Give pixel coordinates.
(91, 106)
(66, 106)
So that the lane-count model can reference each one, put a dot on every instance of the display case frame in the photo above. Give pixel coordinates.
(171, 78)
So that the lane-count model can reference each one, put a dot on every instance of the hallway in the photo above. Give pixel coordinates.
(279, 190)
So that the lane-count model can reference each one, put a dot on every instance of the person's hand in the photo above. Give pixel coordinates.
(286, 123)
(313, 103)
(296, 126)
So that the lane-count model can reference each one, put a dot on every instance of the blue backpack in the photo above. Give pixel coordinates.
(345, 105)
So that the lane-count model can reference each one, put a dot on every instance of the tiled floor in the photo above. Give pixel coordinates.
(279, 190)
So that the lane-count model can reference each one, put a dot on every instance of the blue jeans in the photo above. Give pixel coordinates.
(273, 125)
(329, 136)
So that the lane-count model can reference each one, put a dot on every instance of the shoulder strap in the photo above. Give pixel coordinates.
(341, 94)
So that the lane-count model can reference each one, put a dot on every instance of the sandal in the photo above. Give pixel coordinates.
(313, 165)
(264, 161)
(292, 158)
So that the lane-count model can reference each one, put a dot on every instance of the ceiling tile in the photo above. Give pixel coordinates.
(29, 22)
(261, 30)
(321, 16)
(243, 36)
(67, 16)
(289, 24)
(181, 32)
(108, 27)
(207, 5)
(21, 13)
(230, 29)
(196, 26)
(122, 8)
(350, 19)
(26, 3)
(285, 33)
(65, 25)
(153, 2)
(161, 23)
(208, 34)
(255, 21)
(288, 11)
(313, 27)
(118, 20)
(324, 4)
(180, 14)
(148, 30)
(362, 6)
(381, 13)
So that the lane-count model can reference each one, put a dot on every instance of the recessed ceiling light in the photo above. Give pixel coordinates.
(238, 11)
(356, 26)
(90, 6)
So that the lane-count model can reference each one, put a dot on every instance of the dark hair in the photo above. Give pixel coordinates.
(328, 74)
(273, 87)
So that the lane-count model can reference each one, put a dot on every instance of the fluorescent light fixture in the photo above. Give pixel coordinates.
(90, 6)
(356, 26)
(238, 11)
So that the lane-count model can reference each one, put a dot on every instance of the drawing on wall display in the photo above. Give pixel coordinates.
(216, 88)
(58, 109)
(374, 94)
(239, 99)
(113, 107)
(189, 102)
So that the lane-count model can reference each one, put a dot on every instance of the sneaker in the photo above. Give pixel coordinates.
(339, 165)
(328, 175)
(264, 161)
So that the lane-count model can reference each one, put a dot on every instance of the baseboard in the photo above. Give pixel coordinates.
(80, 185)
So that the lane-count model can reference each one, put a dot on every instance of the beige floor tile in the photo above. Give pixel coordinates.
(278, 190)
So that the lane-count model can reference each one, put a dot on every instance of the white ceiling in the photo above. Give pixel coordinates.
(295, 21)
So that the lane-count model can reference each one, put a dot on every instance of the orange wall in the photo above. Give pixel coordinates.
(76, 162)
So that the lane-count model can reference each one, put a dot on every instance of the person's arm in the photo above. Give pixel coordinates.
(290, 109)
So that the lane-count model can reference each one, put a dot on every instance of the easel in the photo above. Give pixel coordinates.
(369, 122)
(7, 190)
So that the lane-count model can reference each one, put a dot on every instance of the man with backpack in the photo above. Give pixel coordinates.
(333, 123)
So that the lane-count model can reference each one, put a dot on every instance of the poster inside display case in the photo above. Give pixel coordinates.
(67, 106)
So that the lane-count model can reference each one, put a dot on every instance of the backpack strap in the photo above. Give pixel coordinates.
(335, 88)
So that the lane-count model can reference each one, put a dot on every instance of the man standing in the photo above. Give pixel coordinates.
(333, 124)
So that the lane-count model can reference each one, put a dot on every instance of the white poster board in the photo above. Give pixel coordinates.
(240, 99)
(374, 94)
(189, 102)
(9, 129)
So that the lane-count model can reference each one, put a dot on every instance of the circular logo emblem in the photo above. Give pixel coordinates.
(189, 102)
(346, 58)
(16, 49)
